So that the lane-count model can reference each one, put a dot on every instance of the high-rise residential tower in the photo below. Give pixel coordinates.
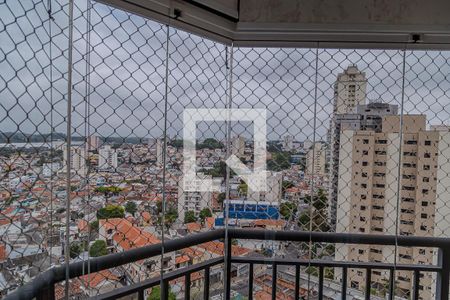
(107, 158)
(391, 182)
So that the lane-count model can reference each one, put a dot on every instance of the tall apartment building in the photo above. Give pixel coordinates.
(156, 145)
(273, 194)
(93, 143)
(316, 159)
(193, 200)
(77, 159)
(366, 117)
(288, 143)
(107, 158)
(384, 171)
(349, 92)
(238, 146)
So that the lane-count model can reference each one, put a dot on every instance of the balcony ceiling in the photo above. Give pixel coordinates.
(304, 23)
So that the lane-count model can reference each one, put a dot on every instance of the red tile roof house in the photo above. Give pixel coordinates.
(121, 235)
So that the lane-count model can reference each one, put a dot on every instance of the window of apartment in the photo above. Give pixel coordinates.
(424, 203)
(354, 284)
(407, 199)
(405, 256)
(363, 174)
(426, 167)
(426, 179)
(409, 153)
(376, 196)
(362, 229)
(377, 207)
(379, 174)
(377, 218)
(422, 251)
(411, 142)
(408, 188)
(423, 228)
(427, 155)
(423, 216)
(365, 141)
(409, 165)
(362, 219)
(363, 185)
(360, 251)
(365, 163)
(373, 250)
(363, 207)
(427, 143)
(425, 191)
(381, 141)
(380, 152)
(404, 222)
(379, 185)
(365, 152)
(363, 197)
(380, 163)
(407, 211)
(377, 273)
(378, 229)
(407, 176)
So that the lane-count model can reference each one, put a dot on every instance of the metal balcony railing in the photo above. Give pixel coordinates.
(42, 287)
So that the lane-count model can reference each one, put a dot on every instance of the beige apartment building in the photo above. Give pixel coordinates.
(316, 159)
(373, 167)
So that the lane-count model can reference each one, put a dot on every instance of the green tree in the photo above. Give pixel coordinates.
(221, 198)
(288, 210)
(94, 225)
(155, 294)
(131, 207)
(98, 248)
(211, 143)
(170, 216)
(280, 161)
(75, 249)
(243, 189)
(205, 213)
(111, 211)
(189, 217)
(317, 214)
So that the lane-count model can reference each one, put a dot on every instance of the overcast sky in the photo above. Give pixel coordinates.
(127, 77)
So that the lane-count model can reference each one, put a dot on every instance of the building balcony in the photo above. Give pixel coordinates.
(224, 149)
(276, 277)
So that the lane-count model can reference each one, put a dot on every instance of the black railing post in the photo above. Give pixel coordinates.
(206, 284)
(416, 283)
(47, 293)
(391, 284)
(368, 283)
(274, 281)
(228, 243)
(187, 286)
(442, 284)
(321, 270)
(250, 281)
(344, 283)
(141, 295)
(297, 282)
(165, 290)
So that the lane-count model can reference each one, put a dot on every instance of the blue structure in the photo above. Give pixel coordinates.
(250, 210)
